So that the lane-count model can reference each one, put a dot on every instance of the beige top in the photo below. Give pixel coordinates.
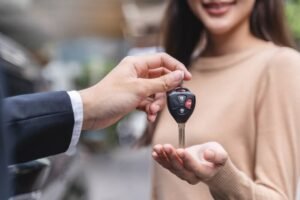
(249, 102)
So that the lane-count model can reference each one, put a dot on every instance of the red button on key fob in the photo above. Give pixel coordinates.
(188, 104)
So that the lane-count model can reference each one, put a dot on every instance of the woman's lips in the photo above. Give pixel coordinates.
(217, 8)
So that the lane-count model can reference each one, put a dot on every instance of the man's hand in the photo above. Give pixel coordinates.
(137, 82)
(193, 164)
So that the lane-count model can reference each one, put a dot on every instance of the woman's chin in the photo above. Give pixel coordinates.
(218, 31)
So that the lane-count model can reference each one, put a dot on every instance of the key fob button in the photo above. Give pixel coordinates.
(188, 104)
(181, 98)
(181, 111)
(181, 103)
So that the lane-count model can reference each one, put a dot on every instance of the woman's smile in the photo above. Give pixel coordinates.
(217, 8)
(222, 16)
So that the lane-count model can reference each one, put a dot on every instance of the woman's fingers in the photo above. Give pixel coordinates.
(177, 165)
(175, 161)
(193, 164)
(203, 160)
(160, 156)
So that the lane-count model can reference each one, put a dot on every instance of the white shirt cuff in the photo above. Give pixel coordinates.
(77, 107)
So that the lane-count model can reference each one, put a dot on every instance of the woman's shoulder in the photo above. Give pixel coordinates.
(281, 70)
(285, 55)
(284, 58)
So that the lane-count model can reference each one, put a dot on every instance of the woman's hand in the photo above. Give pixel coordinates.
(194, 164)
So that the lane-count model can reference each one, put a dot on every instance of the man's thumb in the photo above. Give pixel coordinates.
(165, 83)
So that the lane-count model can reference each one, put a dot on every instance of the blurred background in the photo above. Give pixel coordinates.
(71, 44)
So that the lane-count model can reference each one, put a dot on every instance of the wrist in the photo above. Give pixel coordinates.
(222, 175)
(87, 107)
(228, 181)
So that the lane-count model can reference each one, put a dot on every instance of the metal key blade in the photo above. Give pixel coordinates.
(181, 129)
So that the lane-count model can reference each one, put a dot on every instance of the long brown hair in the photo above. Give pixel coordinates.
(183, 30)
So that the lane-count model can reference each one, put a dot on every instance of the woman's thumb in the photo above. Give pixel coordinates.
(218, 158)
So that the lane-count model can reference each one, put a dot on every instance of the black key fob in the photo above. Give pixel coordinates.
(181, 104)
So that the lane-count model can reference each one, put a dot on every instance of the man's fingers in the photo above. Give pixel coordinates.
(145, 104)
(154, 108)
(172, 64)
(158, 103)
(154, 73)
(153, 105)
(158, 60)
(164, 83)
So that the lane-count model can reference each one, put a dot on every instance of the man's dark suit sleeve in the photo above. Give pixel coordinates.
(38, 125)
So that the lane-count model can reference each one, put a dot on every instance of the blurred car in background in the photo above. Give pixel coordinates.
(53, 177)
(22, 75)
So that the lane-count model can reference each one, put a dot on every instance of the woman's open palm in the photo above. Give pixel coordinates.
(193, 164)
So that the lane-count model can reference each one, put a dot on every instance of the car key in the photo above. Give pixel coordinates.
(181, 103)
